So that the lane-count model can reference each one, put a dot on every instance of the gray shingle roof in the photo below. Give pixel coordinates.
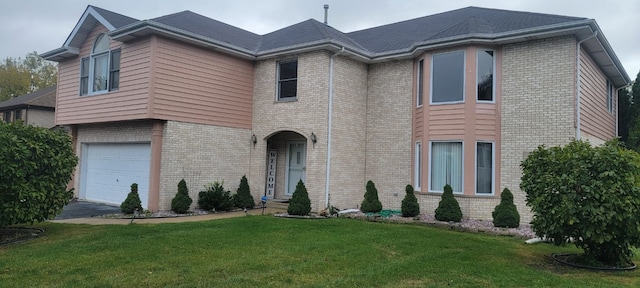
(45, 97)
(213, 29)
(117, 20)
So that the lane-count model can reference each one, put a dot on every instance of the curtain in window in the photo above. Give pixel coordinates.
(446, 165)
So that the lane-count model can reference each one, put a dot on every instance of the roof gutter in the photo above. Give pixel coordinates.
(329, 125)
(578, 90)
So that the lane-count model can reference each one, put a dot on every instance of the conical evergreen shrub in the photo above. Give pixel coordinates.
(371, 203)
(243, 198)
(506, 214)
(132, 203)
(410, 206)
(181, 202)
(299, 204)
(448, 208)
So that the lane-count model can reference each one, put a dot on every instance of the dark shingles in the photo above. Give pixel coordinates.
(117, 20)
(35, 98)
(306, 32)
(209, 28)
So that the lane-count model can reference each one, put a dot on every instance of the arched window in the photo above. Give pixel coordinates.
(100, 72)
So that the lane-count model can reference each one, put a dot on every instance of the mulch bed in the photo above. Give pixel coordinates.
(12, 235)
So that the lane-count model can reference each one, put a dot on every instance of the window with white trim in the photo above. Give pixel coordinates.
(420, 88)
(610, 92)
(100, 72)
(447, 77)
(484, 168)
(287, 80)
(484, 75)
(417, 179)
(446, 166)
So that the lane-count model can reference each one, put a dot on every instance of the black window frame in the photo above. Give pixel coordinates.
(285, 84)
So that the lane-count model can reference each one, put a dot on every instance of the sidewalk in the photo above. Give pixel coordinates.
(115, 221)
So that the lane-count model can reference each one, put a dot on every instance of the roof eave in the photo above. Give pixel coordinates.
(61, 54)
(327, 44)
(148, 27)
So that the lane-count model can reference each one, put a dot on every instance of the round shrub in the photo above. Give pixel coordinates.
(371, 203)
(214, 197)
(181, 202)
(506, 214)
(132, 203)
(588, 194)
(35, 167)
(410, 206)
(448, 208)
(243, 198)
(299, 204)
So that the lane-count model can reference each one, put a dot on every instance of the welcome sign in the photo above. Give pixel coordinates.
(271, 173)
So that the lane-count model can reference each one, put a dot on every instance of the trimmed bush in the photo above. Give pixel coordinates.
(132, 203)
(35, 167)
(243, 198)
(371, 203)
(448, 208)
(410, 206)
(299, 204)
(588, 194)
(181, 202)
(214, 197)
(506, 214)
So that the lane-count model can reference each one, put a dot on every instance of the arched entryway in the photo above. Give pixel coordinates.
(286, 163)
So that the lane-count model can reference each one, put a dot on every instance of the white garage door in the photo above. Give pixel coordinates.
(110, 169)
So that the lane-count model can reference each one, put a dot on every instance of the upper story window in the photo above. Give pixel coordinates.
(485, 77)
(100, 72)
(287, 80)
(610, 92)
(420, 82)
(447, 77)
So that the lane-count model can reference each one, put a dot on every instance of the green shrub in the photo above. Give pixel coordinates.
(588, 194)
(132, 203)
(299, 204)
(181, 202)
(214, 197)
(243, 198)
(506, 214)
(410, 206)
(448, 208)
(35, 167)
(371, 204)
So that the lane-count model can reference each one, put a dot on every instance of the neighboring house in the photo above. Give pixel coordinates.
(36, 108)
(458, 97)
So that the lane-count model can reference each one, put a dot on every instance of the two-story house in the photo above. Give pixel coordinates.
(455, 98)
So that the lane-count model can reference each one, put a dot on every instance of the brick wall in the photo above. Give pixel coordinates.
(201, 154)
(40, 118)
(538, 88)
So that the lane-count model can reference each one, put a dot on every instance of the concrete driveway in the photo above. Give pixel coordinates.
(82, 209)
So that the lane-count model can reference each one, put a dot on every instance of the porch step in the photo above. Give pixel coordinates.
(277, 205)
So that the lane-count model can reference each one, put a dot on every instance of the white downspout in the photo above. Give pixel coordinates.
(329, 121)
(578, 134)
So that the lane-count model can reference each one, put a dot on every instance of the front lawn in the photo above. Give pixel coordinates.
(263, 251)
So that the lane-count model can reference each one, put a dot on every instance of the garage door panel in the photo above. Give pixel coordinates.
(112, 168)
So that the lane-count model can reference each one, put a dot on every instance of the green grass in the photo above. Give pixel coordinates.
(261, 251)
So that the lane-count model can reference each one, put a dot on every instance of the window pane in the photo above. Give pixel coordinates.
(446, 165)
(114, 75)
(7, 116)
(288, 89)
(84, 67)
(418, 167)
(448, 77)
(485, 75)
(100, 72)
(484, 169)
(101, 44)
(420, 81)
(288, 70)
(17, 115)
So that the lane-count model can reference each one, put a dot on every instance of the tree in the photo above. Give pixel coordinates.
(448, 208)
(132, 203)
(410, 206)
(181, 202)
(243, 198)
(21, 76)
(506, 213)
(36, 166)
(588, 194)
(371, 203)
(628, 114)
(299, 204)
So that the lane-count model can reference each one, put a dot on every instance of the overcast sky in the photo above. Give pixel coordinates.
(43, 25)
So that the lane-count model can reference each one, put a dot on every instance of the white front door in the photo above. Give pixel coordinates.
(296, 165)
